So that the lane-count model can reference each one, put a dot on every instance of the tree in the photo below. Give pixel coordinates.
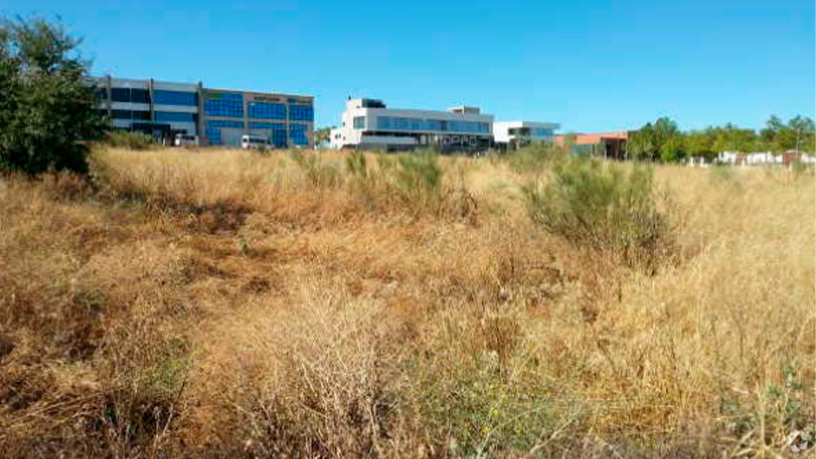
(322, 135)
(641, 145)
(803, 127)
(48, 104)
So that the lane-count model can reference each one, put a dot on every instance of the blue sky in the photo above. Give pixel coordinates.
(590, 65)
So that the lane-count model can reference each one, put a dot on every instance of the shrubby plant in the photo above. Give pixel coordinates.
(47, 101)
(603, 206)
(130, 140)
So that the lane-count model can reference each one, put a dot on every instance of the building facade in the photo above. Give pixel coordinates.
(517, 134)
(217, 116)
(605, 144)
(369, 124)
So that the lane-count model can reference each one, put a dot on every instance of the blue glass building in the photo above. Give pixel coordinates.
(217, 116)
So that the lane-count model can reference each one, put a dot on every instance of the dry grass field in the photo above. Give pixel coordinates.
(227, 304)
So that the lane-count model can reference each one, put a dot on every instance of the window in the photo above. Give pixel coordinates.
(120, 94)
(540, 132)
(213, 129)
(297, 132)
(301, 113)
(257, 125)
(225, 104)
(102, 94)
(140, 96)
(165, 97)
(359, 122)
(141, 115)
(122, 114)
(266, 110)
(175, 116)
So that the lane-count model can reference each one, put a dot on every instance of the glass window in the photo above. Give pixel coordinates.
(102, 94)
(257, 125)
(224, 107)
(141, 115)
(297, 133)
(122, 114)
(120, 94)
(359, 122)
(301, 113)
(174, 116)
(165, 97)
(140, 96)
(212, 129)
(266, 110)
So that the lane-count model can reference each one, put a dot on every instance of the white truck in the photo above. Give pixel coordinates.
(185, 140)
(254, 142)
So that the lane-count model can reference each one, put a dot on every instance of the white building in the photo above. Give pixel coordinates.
(520, 133)
(369, 124)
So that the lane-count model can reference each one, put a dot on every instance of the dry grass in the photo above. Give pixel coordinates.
(224, 304)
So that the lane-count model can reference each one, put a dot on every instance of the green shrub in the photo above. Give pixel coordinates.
(534, 158)
(602, 206)
(418, 179)
(130, 140)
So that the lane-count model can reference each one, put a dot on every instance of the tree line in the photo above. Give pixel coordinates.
(663, 141)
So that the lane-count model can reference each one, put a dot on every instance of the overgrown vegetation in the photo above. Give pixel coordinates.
(226, 304)
(47, 103)
(603, 206)
(130, 140)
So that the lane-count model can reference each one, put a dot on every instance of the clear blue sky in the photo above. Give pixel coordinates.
(590, 65)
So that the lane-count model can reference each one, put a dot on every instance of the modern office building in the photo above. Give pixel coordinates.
(369, 124)
(517, 134)
(217, 116)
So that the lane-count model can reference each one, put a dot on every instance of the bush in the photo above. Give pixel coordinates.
(47, 104)
(601, 206)
(130, 140)
(418, 179)
(534, 158)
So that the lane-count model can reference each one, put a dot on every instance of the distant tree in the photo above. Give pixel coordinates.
(804, 129)
(47, 101)
(661, 140)
(322, 135)
(641, 143)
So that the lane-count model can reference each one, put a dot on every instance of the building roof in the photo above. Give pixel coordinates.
(591, 139)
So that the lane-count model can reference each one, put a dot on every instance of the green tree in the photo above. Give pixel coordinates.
(641, 144)
(803, 128)
(322, 135)
(47, 101)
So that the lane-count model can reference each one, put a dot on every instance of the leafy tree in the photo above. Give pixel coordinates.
(47, 101)
(322, 135)
(641, 144)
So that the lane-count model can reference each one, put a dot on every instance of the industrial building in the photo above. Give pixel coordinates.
(216, 116)
(369, 124)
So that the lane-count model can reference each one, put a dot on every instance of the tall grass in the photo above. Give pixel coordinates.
(225, 304)
(603, 206)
